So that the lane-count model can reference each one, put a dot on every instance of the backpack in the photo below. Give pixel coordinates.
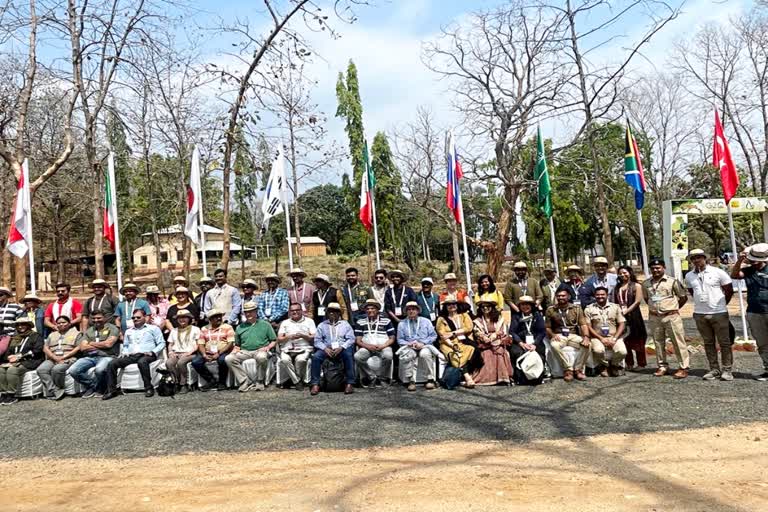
(334, 379)
(167, 384)
(452, 377)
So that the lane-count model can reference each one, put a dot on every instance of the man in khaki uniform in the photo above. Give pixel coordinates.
(606, 327)
(665, 296)
(567, 327)
(520, 285)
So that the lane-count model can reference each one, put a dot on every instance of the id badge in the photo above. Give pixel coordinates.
(129, 324)
(398, 311)
(353, 305)
(303, 307)
(704, 297)
(577, 303)
(432, 316)
(59, 352)
(565, 331)
(461, 337)
(605, 330)
(335, 345)
(529, 339)
(214, 349)
(268, 312)
(321, 311)
(656, 298)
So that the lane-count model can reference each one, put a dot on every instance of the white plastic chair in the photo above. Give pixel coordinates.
(129, 378)
(555, 367)
(31, 385)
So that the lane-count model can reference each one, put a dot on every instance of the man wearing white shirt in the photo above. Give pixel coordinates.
(295, 338)
(712, 289)
(224, 297)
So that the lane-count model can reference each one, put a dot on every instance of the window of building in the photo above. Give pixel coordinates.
(163, 257)
(144, 260)
(179, 255)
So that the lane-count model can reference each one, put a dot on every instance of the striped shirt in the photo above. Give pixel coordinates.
(375, 332)
(9, 312)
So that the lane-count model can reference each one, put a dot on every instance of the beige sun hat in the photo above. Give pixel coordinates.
(600, 259)
(758, 253)
(98, 282)
(184, 312)
(182, 289)
(130, 286)
(31, 297)
(179, 279)
(297, 272)
(333, 305)
(526, 299)
(520, 264)
(696, 253)
(574, 268)
(322, 277)
(397, 272)
(4, 290)
(450, 276)
(272, 275)
(214, 312)
(249, 282)
(152, 289)
(250, 306)
(372, 302)
(412, 304)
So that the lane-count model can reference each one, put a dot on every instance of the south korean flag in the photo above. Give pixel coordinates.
(275, 192)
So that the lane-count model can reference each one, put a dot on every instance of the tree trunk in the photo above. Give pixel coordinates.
(601, 203)
(495, 251)
(21, 277)
(98, 234)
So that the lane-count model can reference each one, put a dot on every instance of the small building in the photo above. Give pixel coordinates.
(310, 246)
(171, 256)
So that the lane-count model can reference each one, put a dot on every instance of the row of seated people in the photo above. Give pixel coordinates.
(483, 351)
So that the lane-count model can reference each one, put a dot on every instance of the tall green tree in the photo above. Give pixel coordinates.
(350, 108)
(388, 191)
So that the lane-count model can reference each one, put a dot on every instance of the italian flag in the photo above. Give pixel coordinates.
(367, 185)
(110, 210)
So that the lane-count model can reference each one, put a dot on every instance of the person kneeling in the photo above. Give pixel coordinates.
(182, 349)
(254, 339)
(606, 327)
(295, 337)
(142, 344)
(374, 336)
(416, 337)
(334, 340)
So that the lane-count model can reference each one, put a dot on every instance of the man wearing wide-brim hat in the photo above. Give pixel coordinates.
(249, 287)
(335, 339)
(273, 302)
(130, 303)
(712, 289)
(205, 284)
(179, 281)
(398, 296)
(324, 295)
(254, 339)
(100, 300)
(751, 267)
(34, 311)
(9, 312)
(416, 338)
(374, 337)
(24, 353)
(215, 343)
(601, 278)
(520, 285)
(573, 284)
(301, 292)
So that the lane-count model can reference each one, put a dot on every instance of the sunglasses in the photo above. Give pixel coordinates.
(136, 317)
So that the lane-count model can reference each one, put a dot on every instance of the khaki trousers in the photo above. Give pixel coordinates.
(670, 326)
(715, 330)
(758, 324)
(573, 341)
(11, 378)
(362, 355)
(598, 352)
(410, 360)
(177, 365)
(235, 364)
(294, 365)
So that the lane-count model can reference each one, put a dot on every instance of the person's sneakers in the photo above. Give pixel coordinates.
(315, 389)
(614, 371)
(411, 386)
(299, 386)
(603, 371)
(110, 395)
(375, 383)
(149, 393)
(259, 386)
(763, 377)
(89, 393)
(712, 375)
(430, 385)
(184, 390)
(245, 386)
(221, 387)
(726, 375)
(682, 373)
(348, 389)
(383, 383)
(661, 371)
(59, 394)
(207, 387)
(568, 375)
(366, 382)
(12, 399)
(579, 375)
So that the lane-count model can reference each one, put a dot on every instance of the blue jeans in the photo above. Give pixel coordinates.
(347, 355)
(79, 372)
(198, 363)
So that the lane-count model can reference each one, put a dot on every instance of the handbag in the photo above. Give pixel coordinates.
(452, 377)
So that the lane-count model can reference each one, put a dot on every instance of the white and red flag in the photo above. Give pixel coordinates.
(721, 158)
(20, 230)
(193, 200)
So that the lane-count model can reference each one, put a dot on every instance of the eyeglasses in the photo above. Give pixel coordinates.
(136, 317)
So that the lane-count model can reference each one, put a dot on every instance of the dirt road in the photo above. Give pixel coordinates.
(715, 469)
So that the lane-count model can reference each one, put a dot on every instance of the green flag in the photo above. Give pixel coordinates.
(541, 175)
(369, 168)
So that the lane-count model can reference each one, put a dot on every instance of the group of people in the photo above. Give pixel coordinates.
(374, 331)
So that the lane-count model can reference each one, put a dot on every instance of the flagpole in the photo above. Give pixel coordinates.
(554, 244)
(466, 252)
(288, 231)
(200, 214)
(643, 250)
(375, 224)
(28, 199)
(113, 200)
(735, 255)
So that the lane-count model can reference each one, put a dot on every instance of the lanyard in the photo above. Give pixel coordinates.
(371, 332)
(303, 293)
(322, 297)
(349, 291)
(20, 348)
(656, 286)
(129, 310)
(623, 296)
(431, 308)
(411, 332)
(564, 316)
(332, 330)
(100, 303)
(269, 300)
(527, 321)
(402, 295)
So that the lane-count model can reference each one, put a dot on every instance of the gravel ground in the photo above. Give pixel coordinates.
(135, 426)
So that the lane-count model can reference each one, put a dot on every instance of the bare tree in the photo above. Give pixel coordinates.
(504, 71)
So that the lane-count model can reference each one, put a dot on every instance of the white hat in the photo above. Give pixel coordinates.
(179, 279)
(520, 264)
(450, 276)
(758, 252)
(5, 290)
(152, 289)
(322, 277)
(427, 280)
(250, 306)
(98, 282)
(697, 252)
(600, 259)
(413, 304)
(249, 282)
(297, 272)
(182, 289)
(530, 364)
(333, 305)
